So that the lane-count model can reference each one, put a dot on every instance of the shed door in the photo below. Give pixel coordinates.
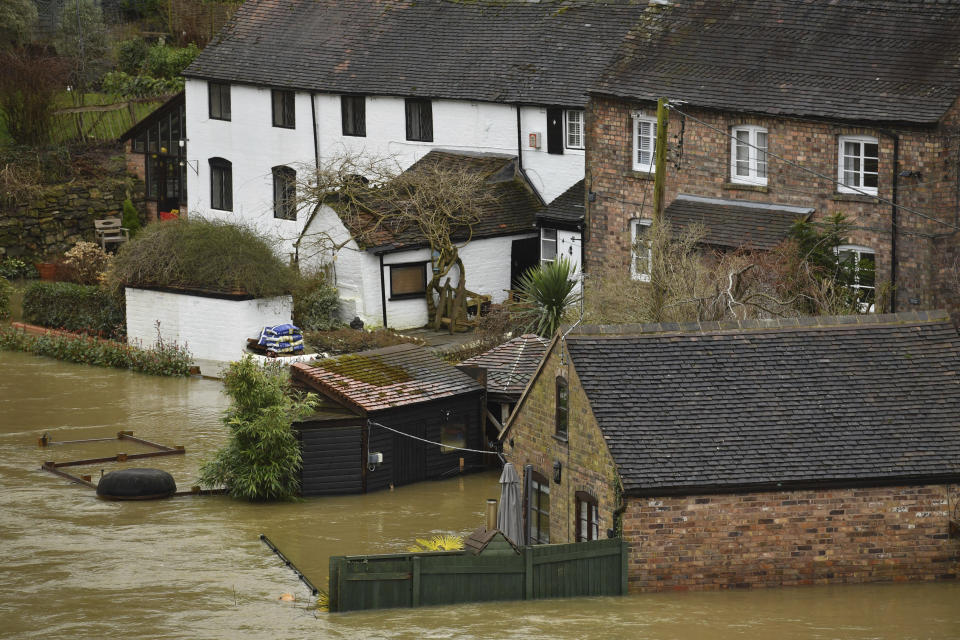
(409, 457)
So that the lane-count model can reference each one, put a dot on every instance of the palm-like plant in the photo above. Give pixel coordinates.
(549, 290)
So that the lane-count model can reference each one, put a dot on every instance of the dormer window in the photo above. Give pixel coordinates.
(748, 155)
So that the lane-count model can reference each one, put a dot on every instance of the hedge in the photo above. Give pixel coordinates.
(160, 360)
(75, 307)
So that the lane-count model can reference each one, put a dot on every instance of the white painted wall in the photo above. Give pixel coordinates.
(487, 263)
(254, 146)
(212, 329)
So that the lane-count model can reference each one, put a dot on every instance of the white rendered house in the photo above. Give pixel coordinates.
(288, 85)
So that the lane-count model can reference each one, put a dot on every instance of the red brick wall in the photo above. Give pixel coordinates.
(587, 465)
(791, 538)
(704, 170)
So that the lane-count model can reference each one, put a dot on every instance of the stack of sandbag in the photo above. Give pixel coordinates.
(282, 338)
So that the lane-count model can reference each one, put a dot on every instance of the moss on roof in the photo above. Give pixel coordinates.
(369, 369)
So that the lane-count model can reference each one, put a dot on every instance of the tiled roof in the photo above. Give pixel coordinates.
(566, 208)
(802, 401)
(511, 210)
(510, 365)
(381, 379)
(867, 60)
(735, 223)
(491, 50)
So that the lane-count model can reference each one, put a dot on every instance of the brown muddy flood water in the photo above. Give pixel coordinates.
(77, 567)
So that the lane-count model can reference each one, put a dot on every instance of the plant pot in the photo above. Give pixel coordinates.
(47, 270)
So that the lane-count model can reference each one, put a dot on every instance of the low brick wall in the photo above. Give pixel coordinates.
(792, 538)
(63, 215)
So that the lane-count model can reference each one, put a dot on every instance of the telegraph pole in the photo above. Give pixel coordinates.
(660, 158)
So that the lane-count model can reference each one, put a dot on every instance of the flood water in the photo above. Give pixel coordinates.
(72, 566)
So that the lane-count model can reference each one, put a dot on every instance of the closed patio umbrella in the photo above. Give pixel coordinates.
(510, 514)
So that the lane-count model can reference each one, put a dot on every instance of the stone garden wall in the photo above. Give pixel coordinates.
(62, 215)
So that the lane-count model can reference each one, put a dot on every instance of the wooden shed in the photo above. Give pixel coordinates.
(401, 402)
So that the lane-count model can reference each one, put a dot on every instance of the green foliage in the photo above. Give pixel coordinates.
(74, 307)
(163, 61)
(202, 254)
(120, 84)
(144, 70)
(6, 291)
(548, 289)
(262, 460)
(131, 55)
(348, 340)
(18, 21)
(440, 542)
(160, 360)
(11, 268)
(316, 304)
(131, 219)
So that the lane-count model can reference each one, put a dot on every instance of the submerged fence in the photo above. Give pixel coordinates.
(596, 568)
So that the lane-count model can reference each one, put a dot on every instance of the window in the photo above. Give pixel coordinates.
(221, 184)
(284, 193)
(218, 94)
(538, 511)
(419, 120)
(858, 269)
(641, 255)
(408, 280)
(563, 406)
(588, 521)
(574, 128)
(452, 435)
(644, 142)
(353, 111)
(748, 155)
(284, 108)
(859, 164)
(548, 245)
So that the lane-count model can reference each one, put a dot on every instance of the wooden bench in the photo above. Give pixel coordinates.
(110, 231)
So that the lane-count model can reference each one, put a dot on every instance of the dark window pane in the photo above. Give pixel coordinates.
(221, 184)
(562, 408)
(219, 95)
(283, 103)
(407, 280)
(419, 120)
(284, 193)
(353, 112)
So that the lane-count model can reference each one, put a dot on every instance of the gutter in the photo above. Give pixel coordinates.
(316, 164)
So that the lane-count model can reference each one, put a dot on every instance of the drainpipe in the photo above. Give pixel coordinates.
(316, 164)
(383, 293)
(893, 216)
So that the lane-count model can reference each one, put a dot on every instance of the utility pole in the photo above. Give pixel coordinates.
(660, 158)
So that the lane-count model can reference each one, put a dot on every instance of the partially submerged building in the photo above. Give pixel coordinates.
(751, 453)
(387, 417)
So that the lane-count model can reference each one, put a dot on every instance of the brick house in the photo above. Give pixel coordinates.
(750, 454)
(857, 101)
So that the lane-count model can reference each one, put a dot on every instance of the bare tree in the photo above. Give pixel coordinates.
(434, 204)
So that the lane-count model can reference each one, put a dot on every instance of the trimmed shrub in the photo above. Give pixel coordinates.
(131, 219)
(6, 290)
(161, 360)
(316, 304)
(200, 254)
(351, 340)
(74, 307)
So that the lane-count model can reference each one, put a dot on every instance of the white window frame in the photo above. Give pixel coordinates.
(555, 241)
(639, 119)
(756, 159)
(858, 251)
(573, 134)
(844, 186)
(636, 274)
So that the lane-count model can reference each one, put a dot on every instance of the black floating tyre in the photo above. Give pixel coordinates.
(136, 484)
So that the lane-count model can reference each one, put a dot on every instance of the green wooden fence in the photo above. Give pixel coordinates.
(596, 568)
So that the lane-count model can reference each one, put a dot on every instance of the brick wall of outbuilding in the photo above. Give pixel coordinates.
(587, 465)
(703, 169)
(792, 538)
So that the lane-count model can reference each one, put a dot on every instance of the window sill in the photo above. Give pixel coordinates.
(283, 126)
(741, 186)
(355, 135)
(854, 197)
(561, 438)
(220, 119)
(642, 175)
(408, 296)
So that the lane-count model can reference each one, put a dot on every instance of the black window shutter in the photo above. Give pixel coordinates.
(412, 111)
(426, 121)
(554, 130)
(360, 116)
